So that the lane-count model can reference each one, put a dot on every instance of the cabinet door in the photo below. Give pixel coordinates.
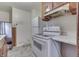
(68, 50)
(5, 49)
(49, 6)
(56, 49)
(46, 7)
(58, 4)
(1, 52)
(73, 8)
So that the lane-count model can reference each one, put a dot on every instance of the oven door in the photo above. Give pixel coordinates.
(39, 47)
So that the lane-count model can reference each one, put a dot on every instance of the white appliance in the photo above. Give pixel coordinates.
(44, 45)
(51, 31)
(36, 25)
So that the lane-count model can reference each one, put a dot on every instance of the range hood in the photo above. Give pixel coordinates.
(58, 11)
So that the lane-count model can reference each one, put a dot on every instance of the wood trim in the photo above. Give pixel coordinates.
(78, 30)
(14, 36)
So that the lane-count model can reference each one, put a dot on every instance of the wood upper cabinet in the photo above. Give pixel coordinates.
(73, 7)
(48, 6)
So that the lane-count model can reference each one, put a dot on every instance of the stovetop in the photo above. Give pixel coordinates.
(42, 36)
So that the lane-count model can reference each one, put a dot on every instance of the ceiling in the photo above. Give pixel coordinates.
(21, 5)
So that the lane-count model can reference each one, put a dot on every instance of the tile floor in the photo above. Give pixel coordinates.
(23, 51)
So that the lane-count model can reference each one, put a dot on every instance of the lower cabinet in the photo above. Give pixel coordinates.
(1, 52)
(60, 49)
(3, 49)
(68, 50)
(56, 49)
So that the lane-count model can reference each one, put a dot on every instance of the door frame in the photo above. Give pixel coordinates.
(13, 36)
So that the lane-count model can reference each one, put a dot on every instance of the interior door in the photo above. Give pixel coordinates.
(14, 36)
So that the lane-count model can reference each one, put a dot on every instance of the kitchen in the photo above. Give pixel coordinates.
(49, 28)
(57, 33)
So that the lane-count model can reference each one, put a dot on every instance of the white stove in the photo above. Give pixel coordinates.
(44, 46)
(42, 36)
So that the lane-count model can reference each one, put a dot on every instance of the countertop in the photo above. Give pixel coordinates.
(1, 37)
(65, 39)
(70, 39)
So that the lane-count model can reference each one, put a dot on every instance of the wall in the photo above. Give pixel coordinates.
(36, 12)
(35, 21)
(23, 27)
(4, 16)
(68, 26)
(5, 13)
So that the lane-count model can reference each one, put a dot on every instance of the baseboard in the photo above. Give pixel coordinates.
(23, 45)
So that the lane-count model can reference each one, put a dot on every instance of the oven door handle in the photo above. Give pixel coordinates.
(42, 41)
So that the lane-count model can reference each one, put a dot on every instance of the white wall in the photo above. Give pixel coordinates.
(4, 16)
(23, 28)
(35, 21)
(5, 13)
(68, 26)
(67, 23)
(36, 12)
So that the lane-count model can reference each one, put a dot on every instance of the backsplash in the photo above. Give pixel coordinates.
(67, 24)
